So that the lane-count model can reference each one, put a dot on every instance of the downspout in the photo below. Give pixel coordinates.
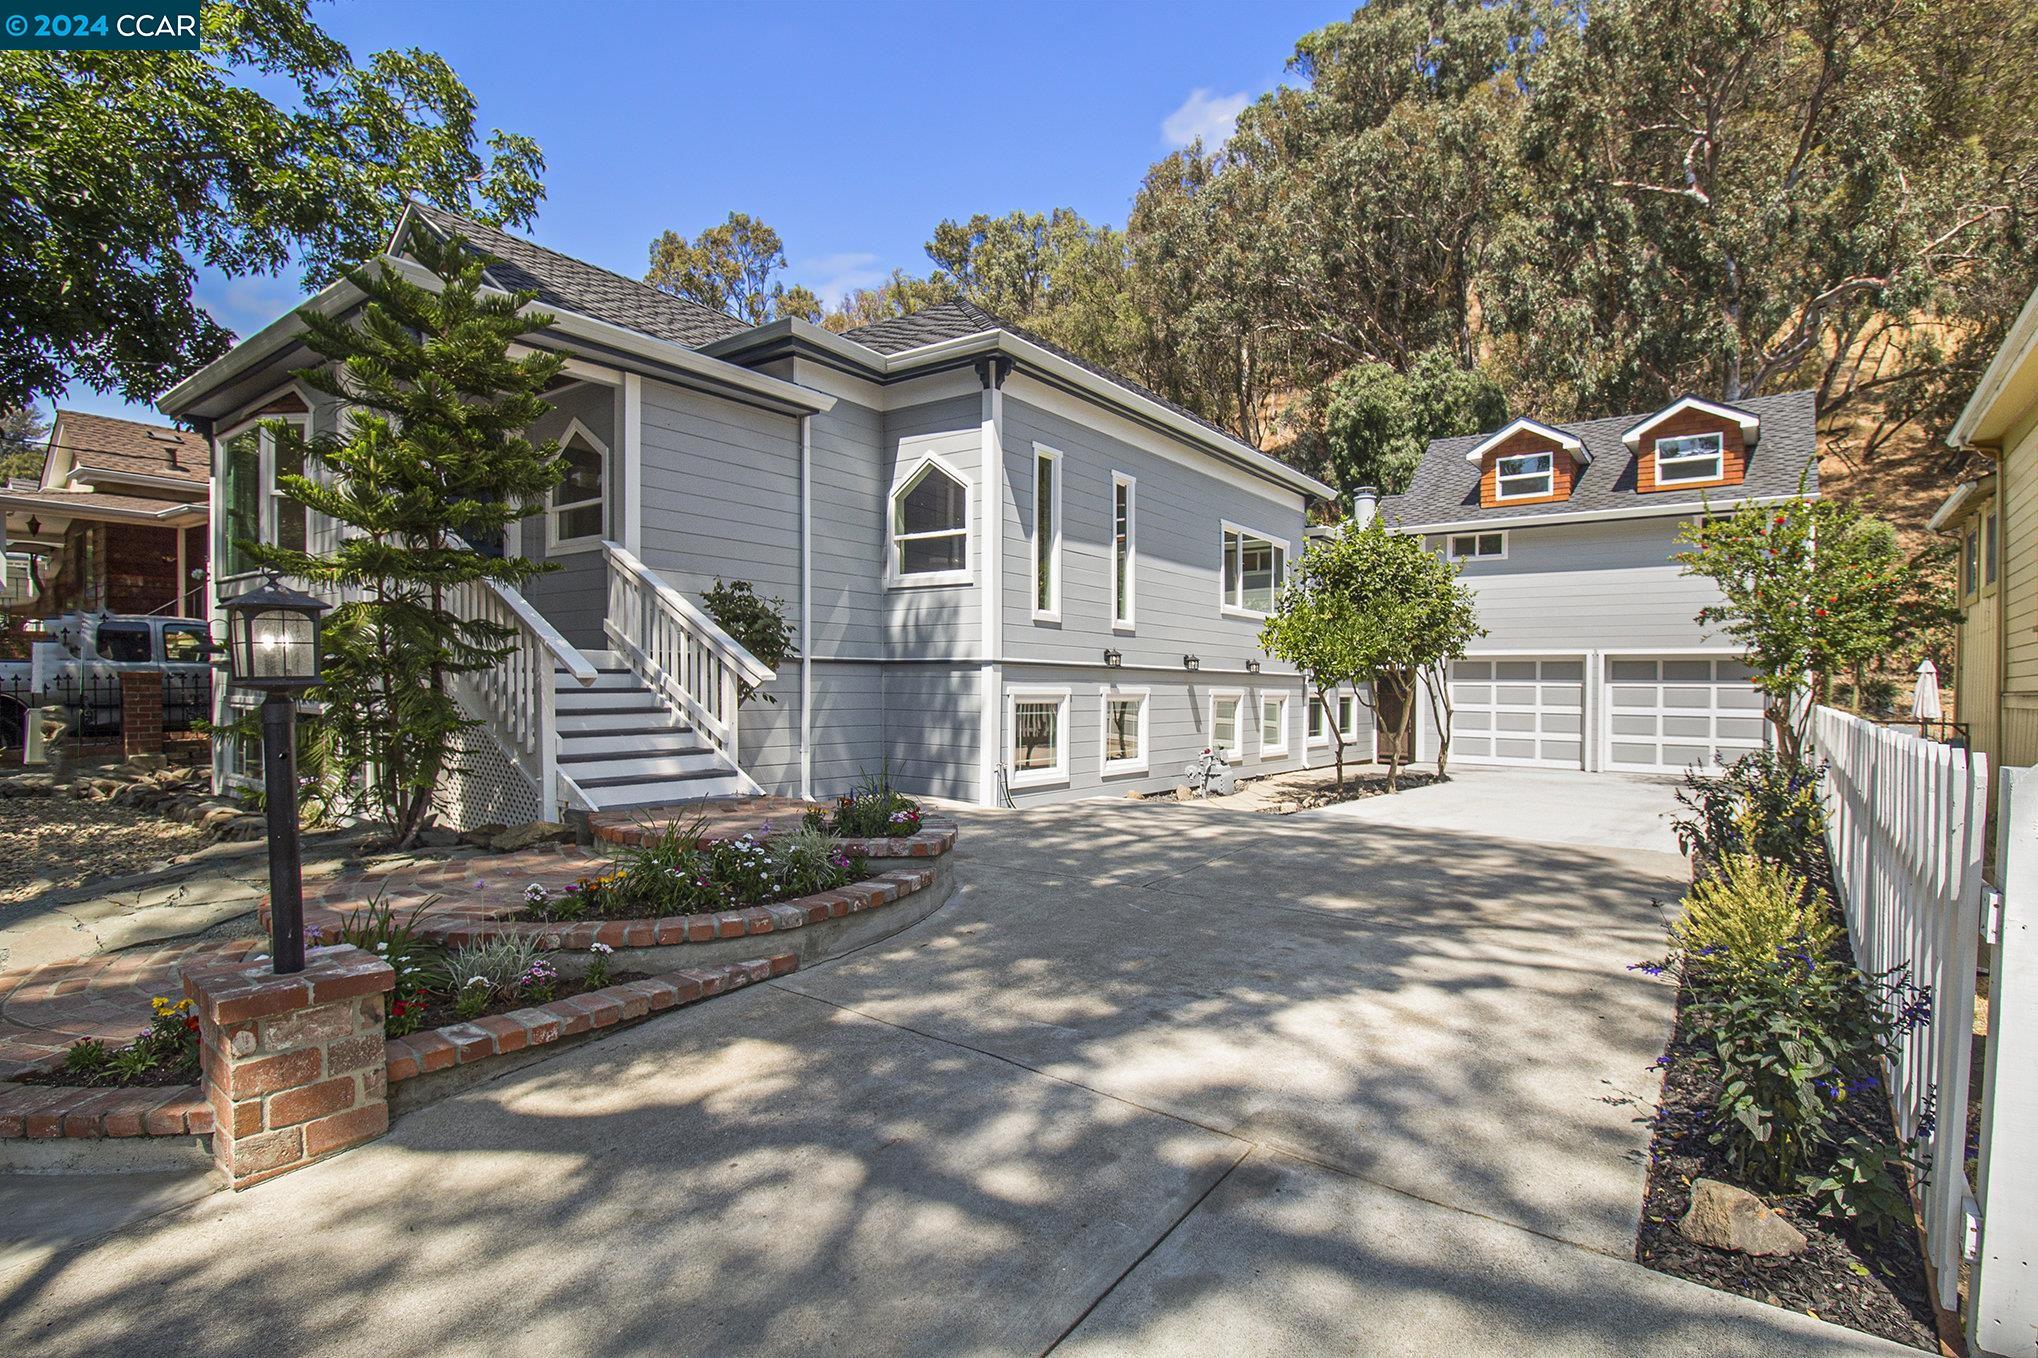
(806, 607)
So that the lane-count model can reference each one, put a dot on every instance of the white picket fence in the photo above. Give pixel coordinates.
(1907, 821)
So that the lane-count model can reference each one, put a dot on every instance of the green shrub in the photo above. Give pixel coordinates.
(680, 872)
(375, 928)
(1758, 804)
(1747, 915)
(1866, 1185)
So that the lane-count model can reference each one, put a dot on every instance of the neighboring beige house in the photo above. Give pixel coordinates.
(1995, 517)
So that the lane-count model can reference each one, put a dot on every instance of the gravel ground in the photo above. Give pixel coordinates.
(49, 843)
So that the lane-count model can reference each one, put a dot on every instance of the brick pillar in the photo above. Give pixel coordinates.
(294, 1067)
(141, 712)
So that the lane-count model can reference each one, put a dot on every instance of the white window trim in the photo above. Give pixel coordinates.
(265, 464)
(1127, 623)
(1059, 773)
(1222, 695)
(908, 473)
(1051, 613)
(1451, 552)
(1717, 457)
(1110, 694)
(1549, 478)
(1273, 751)
(556, 545)
(1224, 604)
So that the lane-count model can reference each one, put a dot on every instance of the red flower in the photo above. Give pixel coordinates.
(1820, 611)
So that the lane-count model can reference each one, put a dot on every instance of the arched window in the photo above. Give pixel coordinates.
(577, 517)
(930, 527)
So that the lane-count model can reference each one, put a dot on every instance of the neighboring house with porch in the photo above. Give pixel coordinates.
(1593, 657)
(1009, 572)
(1993, 516)
(117, 522)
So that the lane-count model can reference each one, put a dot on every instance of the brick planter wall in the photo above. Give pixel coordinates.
(294, 1065)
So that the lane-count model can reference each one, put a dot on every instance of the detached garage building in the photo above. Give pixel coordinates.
(1594, 657)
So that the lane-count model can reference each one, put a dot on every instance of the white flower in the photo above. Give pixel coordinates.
(535, 893)
(477, 980)
(601, 948)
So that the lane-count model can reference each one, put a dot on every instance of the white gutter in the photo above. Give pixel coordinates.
(1950, 510)
(92, 476)
(265, 343)
(2019, 347)
(1591, 515)
(807, 607)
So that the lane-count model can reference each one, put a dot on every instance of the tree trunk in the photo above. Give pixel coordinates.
(1436, 683)
(1337, 737)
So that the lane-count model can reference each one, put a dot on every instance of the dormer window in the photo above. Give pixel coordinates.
(1525, 477)
(1693, 457)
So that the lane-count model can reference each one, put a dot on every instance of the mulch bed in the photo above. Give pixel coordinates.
(657, 910)
(440, 1011)
(1843, 1276)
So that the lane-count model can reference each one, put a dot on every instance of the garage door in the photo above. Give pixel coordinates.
(1519, 712)
(1664, 715)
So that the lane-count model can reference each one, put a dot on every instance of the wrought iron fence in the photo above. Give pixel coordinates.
(92, 708)
(187, 698)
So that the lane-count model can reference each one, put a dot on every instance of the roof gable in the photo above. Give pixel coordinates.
(82, 444)
(1477, 453)
(1751, 425)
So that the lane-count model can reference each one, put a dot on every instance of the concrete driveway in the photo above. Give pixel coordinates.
(1548, 806)
(1162, 1079)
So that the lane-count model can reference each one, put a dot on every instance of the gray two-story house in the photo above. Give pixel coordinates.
(1010, 574)
(1593, 656)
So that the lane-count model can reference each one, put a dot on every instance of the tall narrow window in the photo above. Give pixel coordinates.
(1273, 726)
(241, 499)
(1255, 570)
(1046, 533)
(578, 515)
(930, 527)
(1124, 730)
(1121, 550)
(1224, 736)
(289, 513)
(1988, 548)
(1317, 733)
(1970, 561)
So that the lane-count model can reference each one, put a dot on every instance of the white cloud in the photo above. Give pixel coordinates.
(833, 277)
(1204, 114)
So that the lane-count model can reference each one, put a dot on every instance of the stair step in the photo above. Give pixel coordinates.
(578, 745)
(604, 680)
(610, 768)
(647, 722)
(632, 796)
(580, 701)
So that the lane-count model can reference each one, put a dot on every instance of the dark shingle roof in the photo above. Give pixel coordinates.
(953, 320)
(582, 288)
(1445, 488)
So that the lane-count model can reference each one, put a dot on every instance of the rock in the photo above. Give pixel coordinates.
(1185, 794)
(219, 817)
(536, 832)
(1724, 1217)
(480, 835)
(146, 763)
(437, 838)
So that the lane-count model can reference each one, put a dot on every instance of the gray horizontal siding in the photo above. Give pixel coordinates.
(931, 729)
(1594, 586)
(1179, 514)
(1178, 729)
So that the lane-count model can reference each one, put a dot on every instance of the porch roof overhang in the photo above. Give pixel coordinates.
(206, 394)
(1954, 508)
(95, 507)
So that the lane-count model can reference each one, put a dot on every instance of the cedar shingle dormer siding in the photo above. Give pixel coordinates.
(1733, 451)
(1563, 469)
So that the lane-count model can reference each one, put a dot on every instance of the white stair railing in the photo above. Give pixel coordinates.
(681, 652)
(514, 700)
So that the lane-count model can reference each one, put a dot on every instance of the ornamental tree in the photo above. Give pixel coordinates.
(434, 458)
(1372, 607)
(1811, 588)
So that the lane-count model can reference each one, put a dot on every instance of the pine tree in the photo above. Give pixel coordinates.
(433, 458)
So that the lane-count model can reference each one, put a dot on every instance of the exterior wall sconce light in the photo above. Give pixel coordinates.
(273, 647)
(1252, 667)
(1190, 662)
(1113, 658)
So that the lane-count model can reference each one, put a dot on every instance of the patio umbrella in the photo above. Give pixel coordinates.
(1925, 697)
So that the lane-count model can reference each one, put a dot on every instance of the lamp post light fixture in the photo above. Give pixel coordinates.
(273, 647)
(1113, 658)
(1190, 662)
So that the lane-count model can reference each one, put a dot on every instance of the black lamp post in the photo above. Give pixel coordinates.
(272, 647)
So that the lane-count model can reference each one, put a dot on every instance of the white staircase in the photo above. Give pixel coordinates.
(621, 745)
(652, 722)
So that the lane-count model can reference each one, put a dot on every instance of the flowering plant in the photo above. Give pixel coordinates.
(874, 809)
(167, 1047)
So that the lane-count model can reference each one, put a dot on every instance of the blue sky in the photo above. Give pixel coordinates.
(851, 127)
